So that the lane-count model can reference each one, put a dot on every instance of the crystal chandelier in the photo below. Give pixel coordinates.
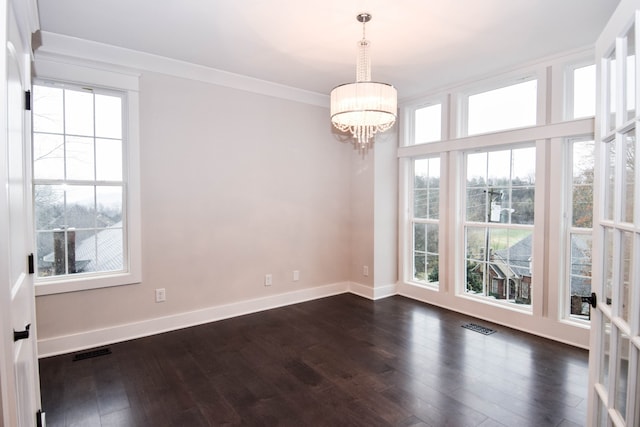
(363, 108)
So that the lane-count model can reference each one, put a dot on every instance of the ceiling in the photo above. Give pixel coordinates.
(416, 45)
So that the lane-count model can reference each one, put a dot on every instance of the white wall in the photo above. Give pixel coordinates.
(233, 185)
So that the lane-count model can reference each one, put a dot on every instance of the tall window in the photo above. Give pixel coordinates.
(425, 222)
(79, 182)
(498, 224)
(580, 208)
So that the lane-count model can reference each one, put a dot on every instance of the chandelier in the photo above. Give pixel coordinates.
(363, 108)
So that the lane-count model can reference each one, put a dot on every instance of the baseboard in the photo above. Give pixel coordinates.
(372, 293)
(100, 337)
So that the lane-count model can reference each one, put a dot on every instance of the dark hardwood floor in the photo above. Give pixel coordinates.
(338, 361)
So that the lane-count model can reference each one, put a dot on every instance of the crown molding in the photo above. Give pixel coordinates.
(76, 50)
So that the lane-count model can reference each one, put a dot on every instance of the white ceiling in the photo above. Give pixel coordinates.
(416, 45)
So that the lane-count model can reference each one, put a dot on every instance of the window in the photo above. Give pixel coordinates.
(85, 178)
(498, 224)
(583, 90)
(507, 107)
(425, 213)
(78, 181)
(428, 124)
(580, 209)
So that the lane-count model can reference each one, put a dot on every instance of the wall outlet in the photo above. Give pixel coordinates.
(161, 295)
(296, 275)
(365, 270)
(268, 279)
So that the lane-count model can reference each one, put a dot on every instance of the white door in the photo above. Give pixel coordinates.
(19, 370)
(614, 393)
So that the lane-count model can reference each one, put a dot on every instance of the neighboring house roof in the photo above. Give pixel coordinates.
(516, 260)
(517, 257)
(102, 253)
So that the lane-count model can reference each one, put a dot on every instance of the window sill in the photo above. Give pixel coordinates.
(74, 284)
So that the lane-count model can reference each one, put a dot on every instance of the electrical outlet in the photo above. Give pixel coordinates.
(268, 279)
(161, 295)
(365, 270)
(296, 275)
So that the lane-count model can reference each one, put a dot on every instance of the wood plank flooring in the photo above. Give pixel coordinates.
(338, 361)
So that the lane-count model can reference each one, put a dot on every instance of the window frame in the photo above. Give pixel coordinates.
(568, 229)
(463, 223)
(56, 70)
(408, 111)
(410, 268)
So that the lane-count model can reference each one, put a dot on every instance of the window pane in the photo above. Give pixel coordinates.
(610, 174)
(628, 186)
(504, 108)
(622, 374)
(108, 116)
(476, 242)
(580, 274)
(523, 169)
(625, 291)
(611, 105)
(476, 204)
(78, 113)
(109, 205)
(425, 237)
(49, 207)
(582, 189)
(84, 247)
(608, 264)
(499, 168)
(80, 206)
(522, 205)
(80, 161)
(428, 124)
(110, 250)
(48, 156)
(477, 170)
(584, 91)
(47, 109)
(631, 73)
(108, 160)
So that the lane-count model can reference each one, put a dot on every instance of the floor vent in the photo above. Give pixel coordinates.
(92, 353)
(478, 328)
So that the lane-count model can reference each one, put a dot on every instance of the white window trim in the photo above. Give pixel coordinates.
(408, 112)
(57, 69)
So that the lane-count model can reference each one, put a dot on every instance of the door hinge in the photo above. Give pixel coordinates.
(40, 419)
(27, 100)
(592, 300)
(21, 335)
(30, 265)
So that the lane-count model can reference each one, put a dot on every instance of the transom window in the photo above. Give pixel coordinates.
(507, 107)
